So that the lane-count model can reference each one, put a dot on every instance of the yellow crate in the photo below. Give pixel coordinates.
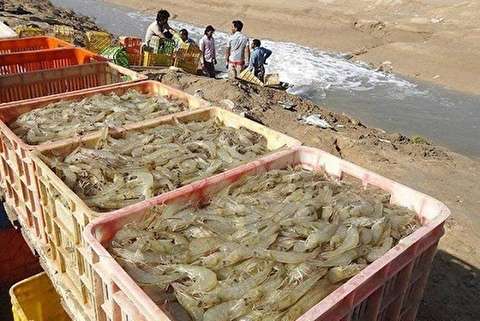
(97, 41)
(35, 299)
(188, 58)
(65, 33)
(156, 59)
(28, 31)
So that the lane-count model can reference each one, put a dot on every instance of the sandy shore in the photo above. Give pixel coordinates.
(435, 42)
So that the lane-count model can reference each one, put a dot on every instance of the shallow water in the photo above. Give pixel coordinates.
(386, 101)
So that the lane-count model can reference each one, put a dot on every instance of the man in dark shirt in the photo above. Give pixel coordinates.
(258, 59)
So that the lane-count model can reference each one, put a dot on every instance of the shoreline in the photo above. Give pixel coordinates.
(419, 50)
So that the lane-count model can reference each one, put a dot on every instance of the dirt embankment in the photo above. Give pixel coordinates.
(435, 41)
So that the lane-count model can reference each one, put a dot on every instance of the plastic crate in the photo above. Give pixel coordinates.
(45, 59)
(132, 46)
(17, 173)
(24, 31)
(31, 44)
(35, 299)
(65, 33)
(66, 215)
(188, 59)
(392, 286)
(58, 81)
(157, 59)
(17, 261)
(97, 41)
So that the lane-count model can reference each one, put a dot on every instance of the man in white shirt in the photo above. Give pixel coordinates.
(209, 56)
(159, 28)
(238, 50)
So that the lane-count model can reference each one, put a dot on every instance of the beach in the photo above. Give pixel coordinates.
(434, 42)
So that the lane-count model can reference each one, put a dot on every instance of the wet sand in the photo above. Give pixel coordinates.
(435, 42)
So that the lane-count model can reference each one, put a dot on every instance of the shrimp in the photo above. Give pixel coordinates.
(280, 300)
(235, 290)
(320, 236)
(341, 273)
(312, 297)
(352, 238)
(188, 302)
(203, 279)
(286, 257)
(377, 252)
(226, 311)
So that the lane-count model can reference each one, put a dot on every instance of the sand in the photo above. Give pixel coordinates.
(434, 41)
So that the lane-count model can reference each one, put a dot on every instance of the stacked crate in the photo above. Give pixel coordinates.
(70, 238)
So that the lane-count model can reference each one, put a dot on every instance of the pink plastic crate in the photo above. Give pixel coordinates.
(390, 288)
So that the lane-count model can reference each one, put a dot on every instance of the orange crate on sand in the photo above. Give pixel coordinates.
(21, 62)
(58, 81)
(391, 286)
(66, 215)
(17, 174)
(30, 44)
(17, 261)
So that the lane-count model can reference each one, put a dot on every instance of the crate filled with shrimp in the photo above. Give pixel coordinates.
(79, 180)
(299, 235)
(43, 122)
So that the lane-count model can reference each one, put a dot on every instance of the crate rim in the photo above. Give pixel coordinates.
(64, 43)
(97, 56)
(142, 300)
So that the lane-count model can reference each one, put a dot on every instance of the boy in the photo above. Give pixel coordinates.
(258, 59)
(209, 57)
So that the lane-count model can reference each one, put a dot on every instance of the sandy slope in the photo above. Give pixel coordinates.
(436, 41)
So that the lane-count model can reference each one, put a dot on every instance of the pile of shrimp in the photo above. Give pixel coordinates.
(268, 247)
(65, 118)
(140, 164)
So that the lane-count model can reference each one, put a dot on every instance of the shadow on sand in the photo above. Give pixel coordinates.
(453, 291)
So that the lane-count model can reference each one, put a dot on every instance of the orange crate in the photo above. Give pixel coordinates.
(66, 215)
(16, 168)
(131, 44)
(45, 59)
(30, 44)
(58, 81)
(390, 288)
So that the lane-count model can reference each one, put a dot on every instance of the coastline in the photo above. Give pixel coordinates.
(419, 48)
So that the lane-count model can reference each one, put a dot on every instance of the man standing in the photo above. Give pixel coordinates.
(238, 50)
(209, 57)
(258, 58)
